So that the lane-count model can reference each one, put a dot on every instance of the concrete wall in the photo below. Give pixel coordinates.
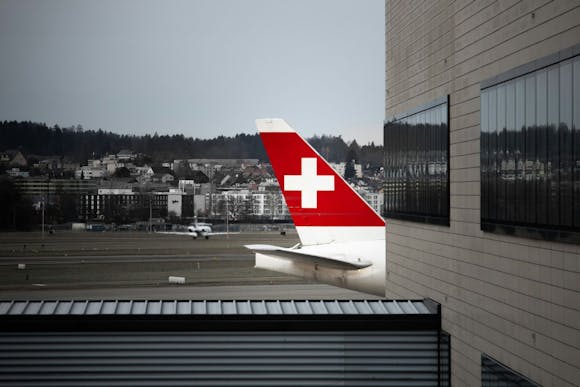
(515, 299)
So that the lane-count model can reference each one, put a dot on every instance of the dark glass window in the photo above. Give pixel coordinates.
(417, 164)
(495, 374)
(530, 153)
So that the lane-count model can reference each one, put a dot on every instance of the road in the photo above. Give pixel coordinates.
(133, 265)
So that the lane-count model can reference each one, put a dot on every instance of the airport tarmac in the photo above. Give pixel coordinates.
(68, 243)
(137, 265)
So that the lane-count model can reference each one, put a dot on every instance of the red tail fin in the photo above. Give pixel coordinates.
(315, 194)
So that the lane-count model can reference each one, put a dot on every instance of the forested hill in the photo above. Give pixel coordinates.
(79, 145)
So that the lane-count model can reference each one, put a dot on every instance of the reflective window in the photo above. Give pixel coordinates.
(495, 374)
(417, 164)
(530, 151)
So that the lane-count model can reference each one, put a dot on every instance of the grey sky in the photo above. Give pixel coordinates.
(201, 68)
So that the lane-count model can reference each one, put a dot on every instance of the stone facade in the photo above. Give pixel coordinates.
(514, 299)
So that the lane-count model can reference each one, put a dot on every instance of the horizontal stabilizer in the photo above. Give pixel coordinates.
(299, 256)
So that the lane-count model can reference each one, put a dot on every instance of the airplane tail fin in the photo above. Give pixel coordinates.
(323, 206)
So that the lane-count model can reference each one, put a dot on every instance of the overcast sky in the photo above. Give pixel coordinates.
(202, 68)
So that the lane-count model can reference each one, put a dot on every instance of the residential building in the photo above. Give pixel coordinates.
(145, 170)
(210, 166)
(481, 197)
(374, 199)
(162, 175)
(126, 155)
(269, 205)
(111, 163)
(16, 172)
(242, 204)
(13, 158)
(87, 173)
(92, 171)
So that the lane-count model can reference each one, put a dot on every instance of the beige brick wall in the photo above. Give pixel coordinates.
(516, 299)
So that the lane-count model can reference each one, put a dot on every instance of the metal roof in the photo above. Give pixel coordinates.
(217, 308)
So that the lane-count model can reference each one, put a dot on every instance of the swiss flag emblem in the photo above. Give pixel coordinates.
(308, 183)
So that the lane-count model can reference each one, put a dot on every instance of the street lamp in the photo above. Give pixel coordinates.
(227, 216)
(150, 209)
(42, 205)
(193, 203)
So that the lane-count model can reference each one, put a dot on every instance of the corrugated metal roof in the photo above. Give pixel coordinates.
(205, 308)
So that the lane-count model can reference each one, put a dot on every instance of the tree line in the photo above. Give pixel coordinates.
(76, 144)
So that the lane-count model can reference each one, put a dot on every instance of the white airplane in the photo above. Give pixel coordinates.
(196, 230)
(342, 238)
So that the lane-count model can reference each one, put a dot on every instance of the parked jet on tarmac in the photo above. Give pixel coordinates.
(196, 230)
(342, 238)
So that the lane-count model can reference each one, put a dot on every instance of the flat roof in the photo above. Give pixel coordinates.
(205, 308)
(218, 315)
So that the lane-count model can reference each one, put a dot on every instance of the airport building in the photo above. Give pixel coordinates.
(42, 187)
(125, 203)
(482, 194)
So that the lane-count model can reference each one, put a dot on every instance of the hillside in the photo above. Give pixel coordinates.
(77, 144)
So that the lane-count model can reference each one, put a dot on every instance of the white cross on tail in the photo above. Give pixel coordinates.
(309, 183)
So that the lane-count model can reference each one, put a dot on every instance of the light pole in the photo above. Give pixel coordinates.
(227, 216)
(150, 209)
(42, 205)
(193, 203)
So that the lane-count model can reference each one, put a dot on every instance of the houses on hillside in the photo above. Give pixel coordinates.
(121, 187)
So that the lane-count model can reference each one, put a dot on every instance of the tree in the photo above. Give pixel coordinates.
(122, 172)
(65, 206)
(16, 211)
(353, 152)
(371, 155)
(332, 149)
(172, 217)
(349, 170)
(79, 144)
(183, 170)
(352, 157)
